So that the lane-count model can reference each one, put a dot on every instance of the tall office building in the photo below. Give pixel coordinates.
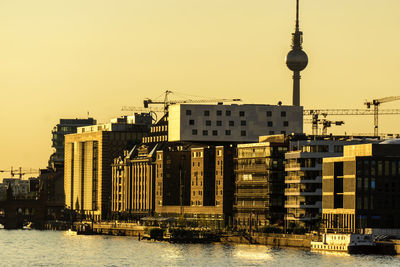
(66, 126)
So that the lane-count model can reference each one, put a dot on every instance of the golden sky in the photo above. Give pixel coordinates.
(63, 58)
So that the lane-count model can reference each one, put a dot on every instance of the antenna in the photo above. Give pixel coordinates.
(297, 15)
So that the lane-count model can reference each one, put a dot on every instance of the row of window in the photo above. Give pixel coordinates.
(229, 113)
(215, 132)
(228, 132)
(232, 123)
(378, 167)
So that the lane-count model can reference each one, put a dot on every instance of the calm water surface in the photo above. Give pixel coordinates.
(48, 248)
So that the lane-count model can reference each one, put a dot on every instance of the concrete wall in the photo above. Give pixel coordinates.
(287, 119)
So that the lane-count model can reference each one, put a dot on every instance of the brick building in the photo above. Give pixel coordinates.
(203, 176)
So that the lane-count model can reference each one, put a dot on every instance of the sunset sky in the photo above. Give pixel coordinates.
(65, 58)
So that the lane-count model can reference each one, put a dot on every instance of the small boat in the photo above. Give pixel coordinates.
(28, 226)
(349, 243)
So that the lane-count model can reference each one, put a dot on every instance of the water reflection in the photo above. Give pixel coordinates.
(47, 248)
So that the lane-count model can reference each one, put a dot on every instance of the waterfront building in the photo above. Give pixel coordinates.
(303, 179)
(133, 182)
(202, 176)
(89, 155)
(260, 183)
(64, 127)
(361, 189)
(231, 123)
(173, 176)
(196, 183)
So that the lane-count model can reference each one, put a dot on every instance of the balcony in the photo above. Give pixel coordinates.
(303, 192)
(302, 217)
(303, 205)
(263, 195)
(252, 169)
(298, 167)
(250, 207)
(303, 180)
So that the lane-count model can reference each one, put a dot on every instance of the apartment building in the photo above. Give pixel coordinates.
(260, 183)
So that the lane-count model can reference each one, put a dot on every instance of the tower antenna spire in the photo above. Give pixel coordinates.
(297, 59)
(297, 15)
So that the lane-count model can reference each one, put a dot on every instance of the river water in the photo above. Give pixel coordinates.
(50, 248)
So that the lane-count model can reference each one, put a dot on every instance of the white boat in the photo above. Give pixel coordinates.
(350, 243)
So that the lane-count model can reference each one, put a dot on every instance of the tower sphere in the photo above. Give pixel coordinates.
(297, 60)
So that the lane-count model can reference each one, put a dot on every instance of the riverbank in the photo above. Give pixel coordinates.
(303, 242)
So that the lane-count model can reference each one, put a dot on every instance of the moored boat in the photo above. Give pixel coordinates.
(350, 243)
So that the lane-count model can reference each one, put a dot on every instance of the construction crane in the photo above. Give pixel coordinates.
(19, 172)
(376, 103)
(325, 124)
(166, 102)
(315, 113)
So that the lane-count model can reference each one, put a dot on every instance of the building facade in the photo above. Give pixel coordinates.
(231, 123)
(66, 126)
(260, 183)
(303, 180)
(362, 188)
(207, 198)
(89, 155)
(202, 176)
(133, 183)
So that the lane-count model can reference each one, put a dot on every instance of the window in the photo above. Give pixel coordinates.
(188, 112)
(283, 132)
(243, 123)
(215, 132)
(219, 112)
(271, 132)
(205, 132)
(241, 113)
(283, 113)
(338, 149)
(208, 123)
(285, 123)
(231, 123)
(228, 132)
(270, 124)
(194, 132)
(228, 113)
(219, 123)
(191, 122)
(206, 113)
(269, 113)
(243, 133)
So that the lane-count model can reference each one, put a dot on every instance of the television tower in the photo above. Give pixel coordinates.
(297, 59)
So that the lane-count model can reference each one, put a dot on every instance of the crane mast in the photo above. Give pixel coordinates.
(376, 103)
(315, 113)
